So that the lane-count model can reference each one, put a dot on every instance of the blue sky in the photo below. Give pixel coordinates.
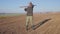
(12, 6)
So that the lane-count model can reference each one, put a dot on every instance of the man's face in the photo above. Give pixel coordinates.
(30, 4)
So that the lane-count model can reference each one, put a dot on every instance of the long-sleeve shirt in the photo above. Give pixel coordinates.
(29, 10)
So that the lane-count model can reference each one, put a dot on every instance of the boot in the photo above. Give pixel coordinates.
(27, 27)
(33, 27)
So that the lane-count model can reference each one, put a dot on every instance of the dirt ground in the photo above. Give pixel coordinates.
(16, 24)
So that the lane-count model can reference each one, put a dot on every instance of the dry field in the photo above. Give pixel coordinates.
(47, 23)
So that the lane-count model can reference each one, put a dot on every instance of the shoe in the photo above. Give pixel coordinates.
(27, 28)
(33, 27)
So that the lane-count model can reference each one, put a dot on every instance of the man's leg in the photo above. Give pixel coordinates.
(27, 20)
(31, 21)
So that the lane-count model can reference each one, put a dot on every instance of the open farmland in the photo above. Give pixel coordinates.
(46, 23)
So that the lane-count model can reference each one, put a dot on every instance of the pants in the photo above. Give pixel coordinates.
(29, 19)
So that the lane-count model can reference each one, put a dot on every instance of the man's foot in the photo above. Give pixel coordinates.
(33, 27)
(27, 28)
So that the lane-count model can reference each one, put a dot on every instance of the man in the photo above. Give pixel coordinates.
(29, 17)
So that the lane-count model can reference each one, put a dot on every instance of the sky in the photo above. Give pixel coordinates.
(13, 6)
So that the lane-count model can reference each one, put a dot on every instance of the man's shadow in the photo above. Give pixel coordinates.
(39, 24)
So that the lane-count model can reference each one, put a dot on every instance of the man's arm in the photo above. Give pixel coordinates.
(23, 6)
(33, 6)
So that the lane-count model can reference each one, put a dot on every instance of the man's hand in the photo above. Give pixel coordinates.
(25, 9)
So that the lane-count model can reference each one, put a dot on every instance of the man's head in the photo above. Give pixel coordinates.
(30, 4)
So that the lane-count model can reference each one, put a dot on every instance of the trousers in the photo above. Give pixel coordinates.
(29, 19)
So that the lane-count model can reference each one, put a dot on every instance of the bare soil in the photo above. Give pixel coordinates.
(16, 24)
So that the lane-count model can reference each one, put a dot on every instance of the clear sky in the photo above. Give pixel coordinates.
(12, 6)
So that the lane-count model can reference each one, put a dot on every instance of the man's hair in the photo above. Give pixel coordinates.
(30, 4)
